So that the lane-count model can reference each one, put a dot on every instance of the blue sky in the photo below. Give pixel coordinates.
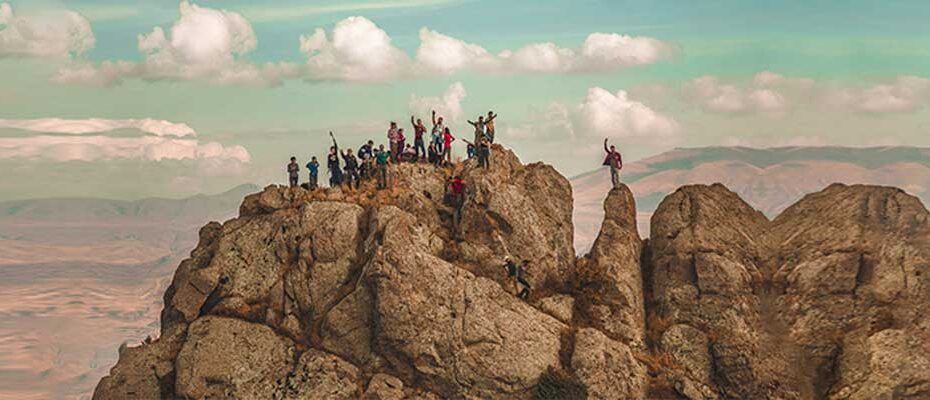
(664, 74)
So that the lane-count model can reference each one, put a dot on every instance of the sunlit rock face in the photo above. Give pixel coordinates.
(376, 294)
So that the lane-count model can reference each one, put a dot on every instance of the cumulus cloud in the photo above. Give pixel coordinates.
(449, 105)
(904, 94)
(772, 93)
(616, 115)
(764, 95)
(55, 34)
(204, 44)
(97, 125)
(104, 148)
(359, 50)
(85, 140)
(601, 114)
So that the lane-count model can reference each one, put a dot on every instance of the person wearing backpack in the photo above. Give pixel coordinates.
(615, 161)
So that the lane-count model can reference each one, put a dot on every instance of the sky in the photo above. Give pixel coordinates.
(140, 98)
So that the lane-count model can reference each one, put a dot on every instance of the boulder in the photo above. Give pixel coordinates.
(228, 357)
(607, 367)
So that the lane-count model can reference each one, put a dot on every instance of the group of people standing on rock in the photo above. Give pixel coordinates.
(349, 169)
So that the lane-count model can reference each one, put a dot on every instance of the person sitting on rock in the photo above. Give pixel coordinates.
(293, 172)
(314, 167)
(470, 150)
(615, 161)
(382, 157)
(351, 168)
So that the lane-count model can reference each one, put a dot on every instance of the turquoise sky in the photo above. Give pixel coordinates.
(850, 73)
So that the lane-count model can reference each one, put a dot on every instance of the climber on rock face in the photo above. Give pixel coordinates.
(516, 275)
(615, 161)
(521, 279)
(293, 172)
(457, 186)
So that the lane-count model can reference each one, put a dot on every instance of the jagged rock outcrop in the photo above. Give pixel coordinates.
(855, 290)
(374, 294)
(826, 301)
(317, 291)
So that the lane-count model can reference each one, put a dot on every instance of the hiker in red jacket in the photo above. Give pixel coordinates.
(615, 161)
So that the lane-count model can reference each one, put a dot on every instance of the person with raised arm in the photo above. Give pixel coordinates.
(489, 126)
(615, 161)
(438, 129)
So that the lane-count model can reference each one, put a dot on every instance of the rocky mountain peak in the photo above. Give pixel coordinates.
(379, 295)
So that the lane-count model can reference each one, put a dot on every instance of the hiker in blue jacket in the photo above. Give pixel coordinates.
(314, 167)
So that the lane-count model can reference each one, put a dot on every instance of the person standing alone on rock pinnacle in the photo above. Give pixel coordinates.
(293, 172)
(615, 161)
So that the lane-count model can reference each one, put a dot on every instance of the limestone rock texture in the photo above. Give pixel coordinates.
(377, 294)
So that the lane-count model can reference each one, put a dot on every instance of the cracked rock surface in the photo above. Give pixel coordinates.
(374, 294)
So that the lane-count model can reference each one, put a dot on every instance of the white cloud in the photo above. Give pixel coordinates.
(97, 125)
(204, 44)
(764, 95)
(904, 94)
(85, 140)
(601, 114)
(449, 105)
(55, 34)
(358, 50)
(104, 148)
(446, 55)
(615, 115)
(774, 94)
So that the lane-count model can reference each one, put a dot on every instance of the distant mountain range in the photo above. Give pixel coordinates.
(769, 179)
(107, 232)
